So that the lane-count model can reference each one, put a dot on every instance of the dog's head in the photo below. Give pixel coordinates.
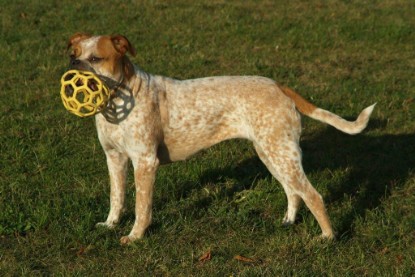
(103, 55)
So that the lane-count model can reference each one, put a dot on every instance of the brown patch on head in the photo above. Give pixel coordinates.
(111, 58)
(74, 41)
(113, 50)
(123, 45)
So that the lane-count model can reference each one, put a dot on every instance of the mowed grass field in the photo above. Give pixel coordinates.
(220, 213)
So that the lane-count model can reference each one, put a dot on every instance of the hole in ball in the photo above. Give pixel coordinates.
(93, 84)
(69, 76)
(69, 90)
(82, 96)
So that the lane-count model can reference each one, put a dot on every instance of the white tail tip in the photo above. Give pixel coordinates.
(363, 119)
(349, 127)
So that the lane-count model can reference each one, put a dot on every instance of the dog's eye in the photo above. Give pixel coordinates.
(94, 59)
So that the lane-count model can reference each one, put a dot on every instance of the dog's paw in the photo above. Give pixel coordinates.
(327, 237)
(130, 239)
(105, 225)
(286, 221)
(126, 240)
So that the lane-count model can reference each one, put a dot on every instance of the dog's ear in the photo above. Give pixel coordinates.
(76, 38)
(122, 45)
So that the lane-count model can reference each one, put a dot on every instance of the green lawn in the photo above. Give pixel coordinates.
(341, 55)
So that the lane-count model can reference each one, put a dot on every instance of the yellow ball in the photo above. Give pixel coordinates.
(83, 93)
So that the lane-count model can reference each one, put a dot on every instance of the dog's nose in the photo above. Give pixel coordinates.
(74, 61)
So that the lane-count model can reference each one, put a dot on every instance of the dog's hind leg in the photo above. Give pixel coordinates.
(283, 160)
(294, 200)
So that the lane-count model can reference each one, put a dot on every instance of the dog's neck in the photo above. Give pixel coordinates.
(139, 82)
(130, 81)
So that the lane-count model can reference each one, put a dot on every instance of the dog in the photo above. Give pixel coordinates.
(153, 120)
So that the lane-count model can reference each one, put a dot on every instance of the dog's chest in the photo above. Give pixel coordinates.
(111, 136)
(120, 136)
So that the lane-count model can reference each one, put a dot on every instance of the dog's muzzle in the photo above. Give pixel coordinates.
(77, 64)
(80, 65)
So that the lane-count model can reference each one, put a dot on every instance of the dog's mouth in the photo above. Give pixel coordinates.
(69, 90)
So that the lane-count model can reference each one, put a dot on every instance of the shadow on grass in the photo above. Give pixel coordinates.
(375, 165)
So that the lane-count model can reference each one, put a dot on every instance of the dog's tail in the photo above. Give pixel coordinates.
(349, 127)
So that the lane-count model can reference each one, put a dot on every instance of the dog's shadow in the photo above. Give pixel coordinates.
(374, 165)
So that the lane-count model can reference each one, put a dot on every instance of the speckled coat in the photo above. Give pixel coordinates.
(152, 120)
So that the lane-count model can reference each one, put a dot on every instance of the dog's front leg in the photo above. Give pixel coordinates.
(117, 167)
(144, 177)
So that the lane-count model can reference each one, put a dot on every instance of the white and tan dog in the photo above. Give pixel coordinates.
(154, 120)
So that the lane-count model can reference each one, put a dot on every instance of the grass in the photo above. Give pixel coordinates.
(342, 55)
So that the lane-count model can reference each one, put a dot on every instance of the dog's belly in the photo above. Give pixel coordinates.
(179, 144)
(203, 112)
